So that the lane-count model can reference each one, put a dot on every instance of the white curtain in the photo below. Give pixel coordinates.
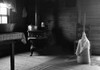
(12, 3)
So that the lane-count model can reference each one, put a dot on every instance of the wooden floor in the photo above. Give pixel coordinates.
(23, 61)
(38, 62)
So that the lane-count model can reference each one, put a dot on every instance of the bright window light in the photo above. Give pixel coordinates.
(3, 5)
(0, 19)
(4, 19)
(4, 8)
(3, 11)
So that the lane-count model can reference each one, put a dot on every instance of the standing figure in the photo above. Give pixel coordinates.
(83, 50)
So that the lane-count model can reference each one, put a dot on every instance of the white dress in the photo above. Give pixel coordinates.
(83, 50)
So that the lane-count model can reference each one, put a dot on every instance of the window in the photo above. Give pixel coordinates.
(3, 19)
(3, 14)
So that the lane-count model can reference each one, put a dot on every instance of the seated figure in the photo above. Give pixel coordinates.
(83, 50)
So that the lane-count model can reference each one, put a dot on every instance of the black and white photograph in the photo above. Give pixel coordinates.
(49, 34)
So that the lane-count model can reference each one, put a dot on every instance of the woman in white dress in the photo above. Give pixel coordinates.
(83, 50)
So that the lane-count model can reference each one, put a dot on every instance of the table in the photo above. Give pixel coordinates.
(11, 38)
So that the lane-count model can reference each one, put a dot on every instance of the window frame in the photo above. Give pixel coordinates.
(4, 15)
